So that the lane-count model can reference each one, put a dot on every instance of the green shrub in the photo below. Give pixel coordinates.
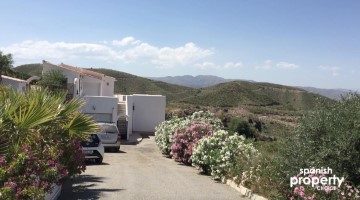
(242, 127)
(326, 137)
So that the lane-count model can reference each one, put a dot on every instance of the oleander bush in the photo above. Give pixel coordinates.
(40, 138)
(186, 138)
(219, 153)
(165, 131)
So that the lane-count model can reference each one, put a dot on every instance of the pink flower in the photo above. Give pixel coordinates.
(296, 190)
(302, 194)
(11, 185)
(51, 162)
(327, 189)
(302, 188)
(311, 198)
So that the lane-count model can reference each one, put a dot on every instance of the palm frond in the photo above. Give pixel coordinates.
(80, 124)
(70, 107)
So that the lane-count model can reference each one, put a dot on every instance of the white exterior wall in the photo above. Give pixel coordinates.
(100, 107)
(107, 86)
(148, 112)
(90, 86)
(16, 84)
(70, 75)
(129, 113)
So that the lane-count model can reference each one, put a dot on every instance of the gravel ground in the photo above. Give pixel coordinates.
(141, 172)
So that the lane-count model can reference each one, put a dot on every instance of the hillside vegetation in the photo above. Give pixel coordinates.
(131, 84)
(30, 69)
(230, 94)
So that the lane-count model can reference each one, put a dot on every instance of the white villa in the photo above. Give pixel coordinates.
(138, 113)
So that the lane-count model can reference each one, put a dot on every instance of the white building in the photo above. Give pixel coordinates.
(133, 113)
(82, 82)
(142, 112)
(15, 83)
(95, 88)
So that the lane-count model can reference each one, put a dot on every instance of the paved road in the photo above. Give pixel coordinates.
(140, 172)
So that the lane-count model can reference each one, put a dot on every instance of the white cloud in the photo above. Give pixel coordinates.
(269, 64)
(231, 65)
(205, 65)
(210, 65)
(37, 50)
(126, 41)
(334, 70)
(285, 65)
(139, 52)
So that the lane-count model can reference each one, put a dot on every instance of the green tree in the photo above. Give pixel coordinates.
(54, 80)
(6, 62)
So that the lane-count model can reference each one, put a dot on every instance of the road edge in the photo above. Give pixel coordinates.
(244, 191)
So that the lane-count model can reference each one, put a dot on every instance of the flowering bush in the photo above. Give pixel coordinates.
(72, 157)
(29, 174)
(208, 118)
(165, 131)
(185, 139)
(218, 154)
(40, 142)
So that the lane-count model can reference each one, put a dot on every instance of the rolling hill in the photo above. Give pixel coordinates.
(204, 81)
(200, 81)
(237, 93)
(228, 94)
(131, 84)
(30, 69)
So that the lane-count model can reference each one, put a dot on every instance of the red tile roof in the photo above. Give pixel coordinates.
(79, 70)
(82, 71)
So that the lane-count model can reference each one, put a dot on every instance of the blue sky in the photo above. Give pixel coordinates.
(298, 43)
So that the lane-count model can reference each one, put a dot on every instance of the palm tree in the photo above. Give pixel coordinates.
(5, 63)
(43, 112)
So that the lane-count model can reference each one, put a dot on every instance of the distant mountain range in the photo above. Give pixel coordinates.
(330, 93)
(204, 81)
(201, 81)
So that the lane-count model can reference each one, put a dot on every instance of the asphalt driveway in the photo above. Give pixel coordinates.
(141, 172)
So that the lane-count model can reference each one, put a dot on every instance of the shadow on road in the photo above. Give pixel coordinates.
(92, 162)
(115, 152)
(83, 187)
